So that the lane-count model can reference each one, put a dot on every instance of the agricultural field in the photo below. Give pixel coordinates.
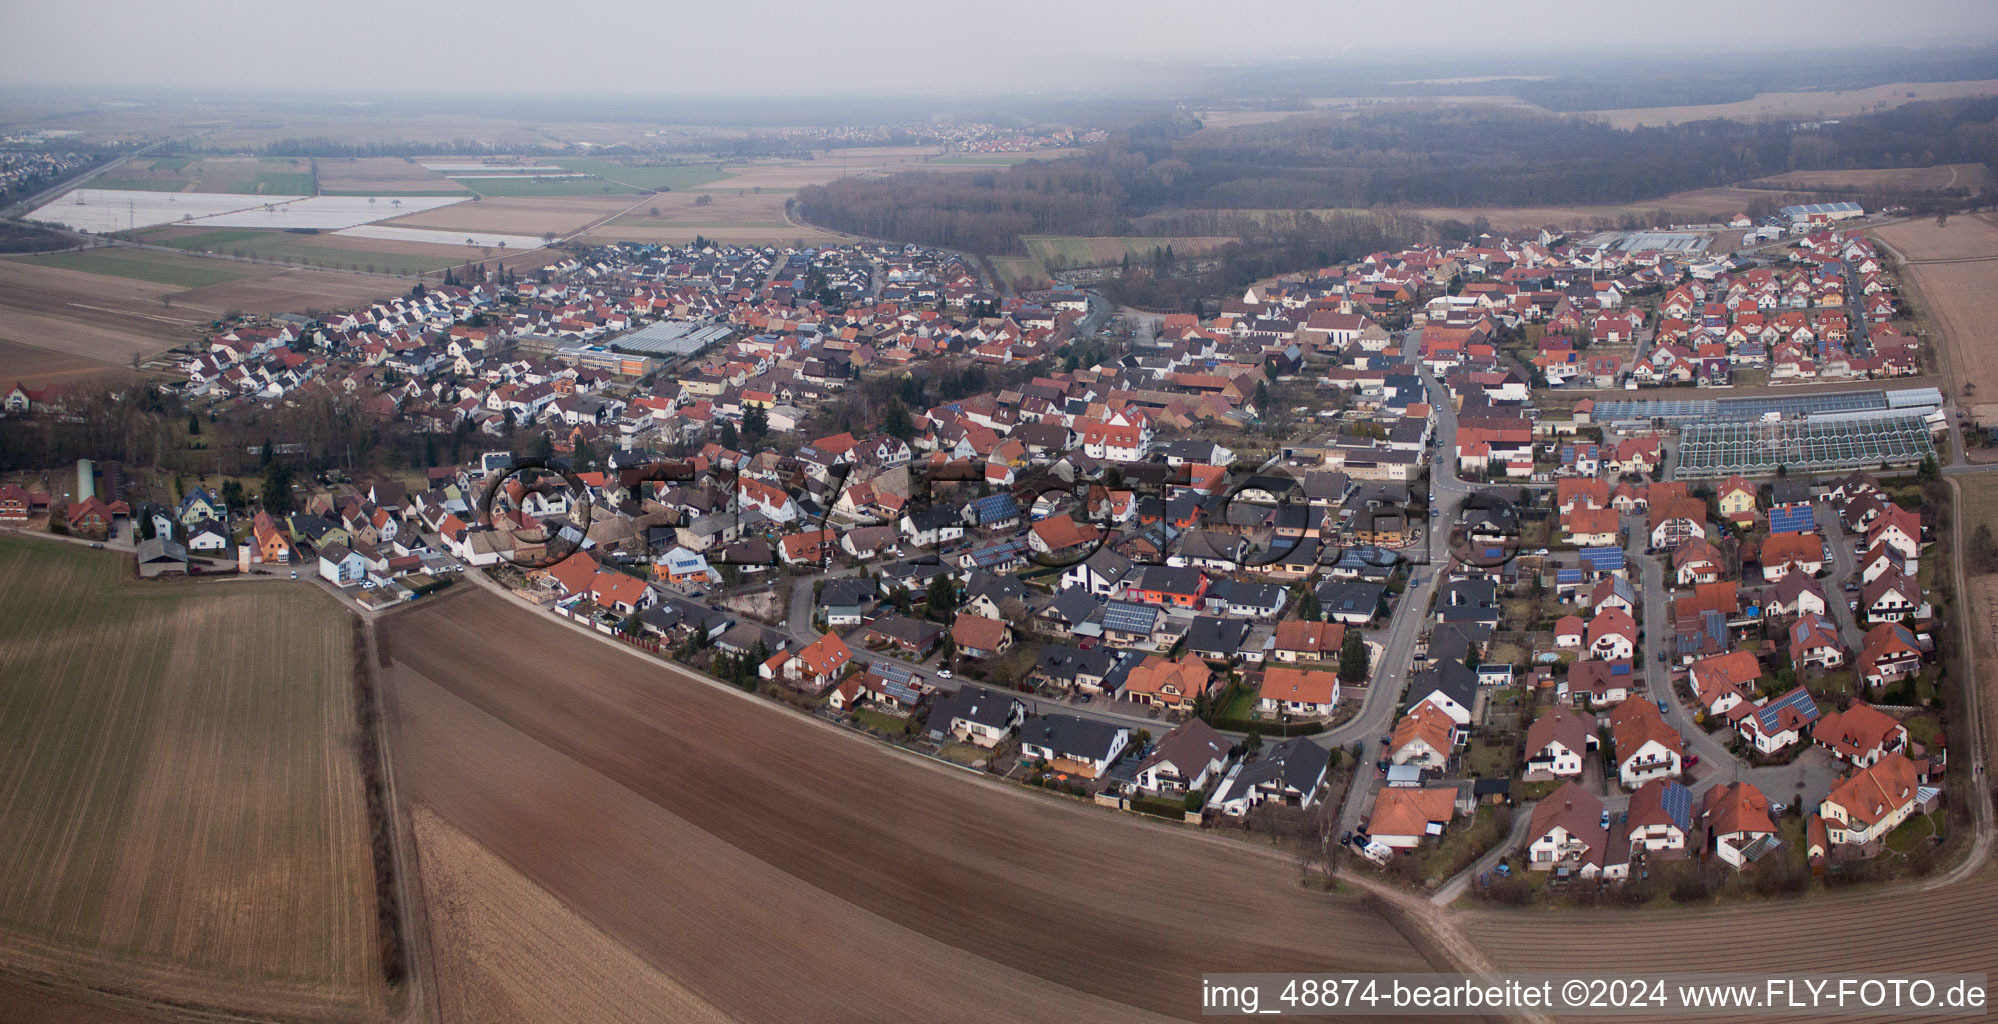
(1021, 272)
(382, 176)
(649, 176)
(541, 744)
(323, 249)
(999, 159)
(1970, 177)
(140, 265)
(1064, 251)
(48, 368)
(104, 318)
(524, 216)
(726, 216)
(1952, 272)
(1800, 106)
(507, 950)
(527, 185)
(185, 819)
(245, 175)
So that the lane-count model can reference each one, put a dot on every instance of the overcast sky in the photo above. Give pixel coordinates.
(875, 47)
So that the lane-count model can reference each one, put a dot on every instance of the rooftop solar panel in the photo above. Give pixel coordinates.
(1128, 617)
(1791, 519)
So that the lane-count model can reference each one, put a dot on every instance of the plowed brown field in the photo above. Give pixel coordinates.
(1960, 297)
(779, 869)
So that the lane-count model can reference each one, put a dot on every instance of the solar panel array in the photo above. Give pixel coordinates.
(1808, 446)
(1603, 559)
(1128, 617)
(1791, 519)
(1677, 802)
(1770, 714)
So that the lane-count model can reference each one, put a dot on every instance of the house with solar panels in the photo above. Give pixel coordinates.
(1660, 817)
(1777, 723)
(1792, 519)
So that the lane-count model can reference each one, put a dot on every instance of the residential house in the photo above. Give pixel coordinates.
(1558, 742)
(1081, 746)
(1566, 831)
(1402, 818)
(1289, 773)
(1735, 823)
(1160, 682)
(1871, 802)
(974, 714)
(1860, 735)
(1300, 692)
(1646, 747)
(1187, 758)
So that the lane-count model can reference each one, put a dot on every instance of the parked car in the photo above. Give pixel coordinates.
(943, 673)
(97, 546)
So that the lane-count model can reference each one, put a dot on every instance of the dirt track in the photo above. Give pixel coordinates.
(767, 864)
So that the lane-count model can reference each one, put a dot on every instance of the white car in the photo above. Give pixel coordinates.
(943, 673)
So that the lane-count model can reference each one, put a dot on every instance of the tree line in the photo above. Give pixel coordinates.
(1437, 156)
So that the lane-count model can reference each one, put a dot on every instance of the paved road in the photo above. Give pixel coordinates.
(1844, 563)
(1811, 774)
(1376, 718)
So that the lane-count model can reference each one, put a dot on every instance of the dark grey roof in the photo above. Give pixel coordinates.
(998, 588)
(1067, 734)
(901, 627)
(1453, 679)
(1349, 596)
(974, 704)
(1065, 663)
(848, 592)
(1073, 606)
(1218, 635)
(1259, 595)
(1166, 579)
(1296, 763)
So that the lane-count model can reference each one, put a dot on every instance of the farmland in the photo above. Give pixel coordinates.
(382, 176)
(921, 889)
(47, 368)
(649, 176)
(140, 265)
(324, 249)
(727, 216)
(1800, 106)
(522, 216)
(109, 318)
(1960, 297)
(105, 318)
(1970, 177)
(270, 176)
(527, 185)
(184, 811)
(507, 950)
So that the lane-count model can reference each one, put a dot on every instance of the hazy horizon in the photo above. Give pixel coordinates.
(885, 49)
